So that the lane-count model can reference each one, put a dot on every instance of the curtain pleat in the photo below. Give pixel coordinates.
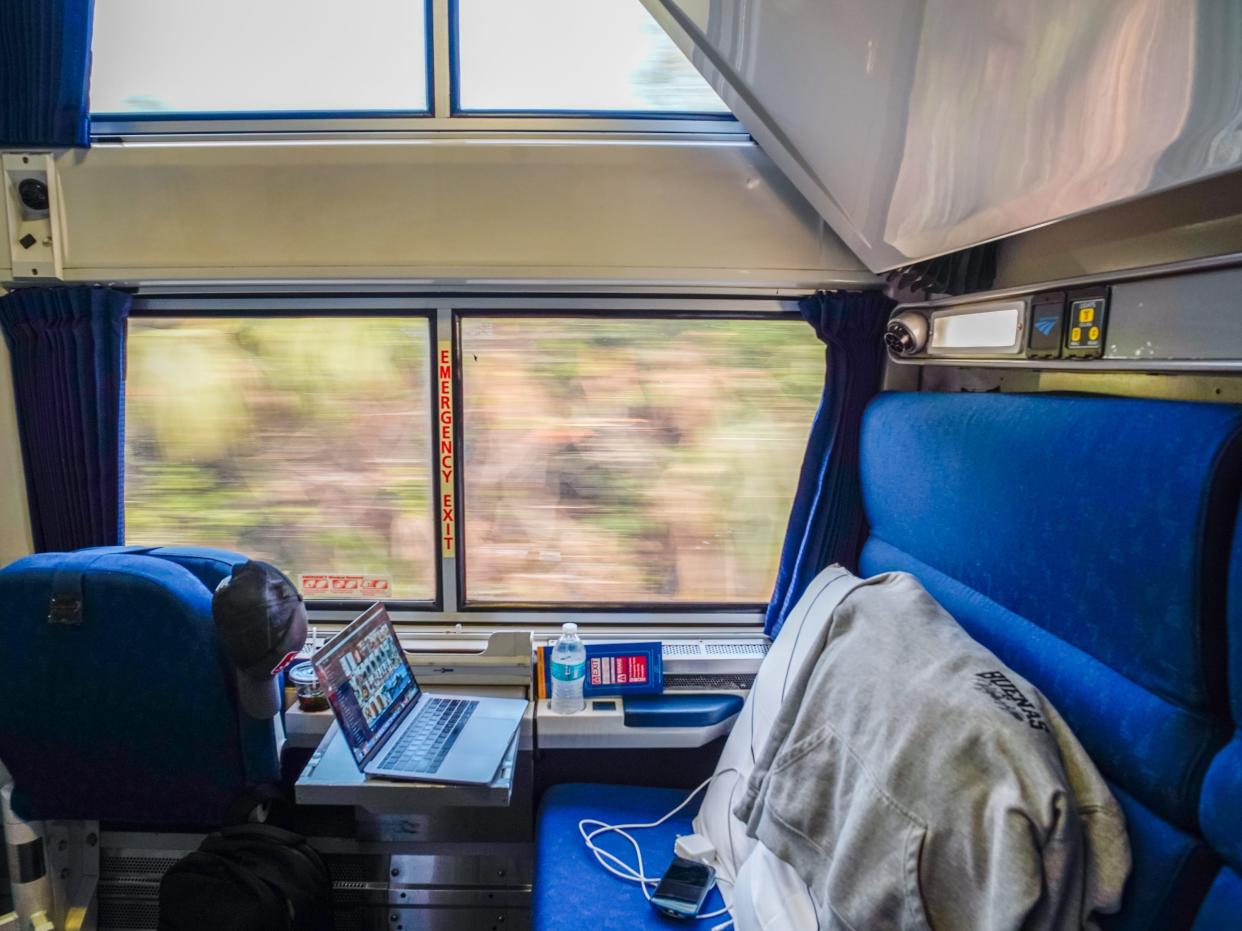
(45, 50)
(67, 347)
(827, 523)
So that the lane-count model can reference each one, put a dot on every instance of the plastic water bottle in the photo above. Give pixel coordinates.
(568, 671)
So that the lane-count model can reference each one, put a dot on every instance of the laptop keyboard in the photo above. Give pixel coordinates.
(426, 742)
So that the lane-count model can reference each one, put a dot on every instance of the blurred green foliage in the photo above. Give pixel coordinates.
(621, 460)
(301, 440)
(605, 460)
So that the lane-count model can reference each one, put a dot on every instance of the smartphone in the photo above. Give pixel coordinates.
(683, 888)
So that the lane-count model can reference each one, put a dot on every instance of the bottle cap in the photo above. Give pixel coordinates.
(569, 628)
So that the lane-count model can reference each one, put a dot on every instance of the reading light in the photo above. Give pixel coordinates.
(993, 329)
(906, 333)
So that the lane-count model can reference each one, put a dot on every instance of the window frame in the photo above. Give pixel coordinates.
(442, 116)
(461, 499)
(449, 615)
(105, 123)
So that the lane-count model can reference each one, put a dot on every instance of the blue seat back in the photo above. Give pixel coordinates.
(1220, 810)
(128, 711)
(1086, 542)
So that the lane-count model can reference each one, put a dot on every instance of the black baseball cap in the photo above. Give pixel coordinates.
(261, 622)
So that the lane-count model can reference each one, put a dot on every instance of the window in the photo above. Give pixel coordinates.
(305, 441)
(631, 461)
(303, 65)
(259, 56)
(643, 460)
(573, 56)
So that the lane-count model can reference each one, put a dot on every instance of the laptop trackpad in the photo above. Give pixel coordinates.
(478, 750)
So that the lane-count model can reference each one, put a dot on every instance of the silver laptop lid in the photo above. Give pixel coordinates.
(367, 680)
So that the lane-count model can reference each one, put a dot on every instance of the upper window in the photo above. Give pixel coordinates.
(572, 56)
(239, 57)
(305, 441)
(631, 461)
(234, 65)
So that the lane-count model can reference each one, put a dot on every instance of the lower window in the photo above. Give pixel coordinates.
(631, 461)
(304, 441)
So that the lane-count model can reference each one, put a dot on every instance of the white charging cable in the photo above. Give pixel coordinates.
(623, 870)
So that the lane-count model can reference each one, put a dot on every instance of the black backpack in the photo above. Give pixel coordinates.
(250, 877)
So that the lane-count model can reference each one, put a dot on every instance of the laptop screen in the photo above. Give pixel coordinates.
(367, 680)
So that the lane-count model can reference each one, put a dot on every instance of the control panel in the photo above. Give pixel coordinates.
(1084, 335)
(1063, 324)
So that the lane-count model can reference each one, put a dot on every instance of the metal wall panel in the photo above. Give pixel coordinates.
(445, 210)
(1184, 317)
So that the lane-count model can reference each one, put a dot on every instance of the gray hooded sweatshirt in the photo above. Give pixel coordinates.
(914, 781)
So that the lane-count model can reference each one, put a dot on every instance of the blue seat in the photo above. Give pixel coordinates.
(1220, 810)
(1086, 542)
(572, 892)
(118, 702)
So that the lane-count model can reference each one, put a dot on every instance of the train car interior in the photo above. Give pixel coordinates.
(542, 465)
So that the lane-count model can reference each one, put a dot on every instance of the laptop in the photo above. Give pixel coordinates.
(394, 728)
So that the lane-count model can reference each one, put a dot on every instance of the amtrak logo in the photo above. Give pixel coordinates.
(1009, 698)
(1045, 324)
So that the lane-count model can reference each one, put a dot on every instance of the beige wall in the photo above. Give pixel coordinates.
(14, 515)
(678, 212)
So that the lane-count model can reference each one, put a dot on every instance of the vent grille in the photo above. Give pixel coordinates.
(357, 919)
(706, 680)
(735, 649)
(351, 869)
(718, 649)
(128, 914)
(118, 868)
(681, 649)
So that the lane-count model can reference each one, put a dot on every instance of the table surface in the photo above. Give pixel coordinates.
(331, 777)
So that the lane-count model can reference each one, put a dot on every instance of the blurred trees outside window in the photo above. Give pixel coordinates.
(605, 459)
(632, 460)
(304, 441)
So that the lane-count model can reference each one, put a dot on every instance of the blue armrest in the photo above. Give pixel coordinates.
(680, 710)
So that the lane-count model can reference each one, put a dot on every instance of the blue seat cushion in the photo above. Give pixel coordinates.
(1221, 806)
(1154, 748)
(1171, 873)
(1222, 910)
(572, 891)
(1086, 542)
(1220, 810)
(1105, 521)
(131, 715)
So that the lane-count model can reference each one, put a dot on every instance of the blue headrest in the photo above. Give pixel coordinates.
(1092, 535)
(125, 709)
(206, 564)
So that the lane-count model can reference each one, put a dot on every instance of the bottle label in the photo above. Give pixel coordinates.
(568, 672)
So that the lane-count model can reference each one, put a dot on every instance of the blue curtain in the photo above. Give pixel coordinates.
(67, 348)
(827, 523)
(45, 54)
